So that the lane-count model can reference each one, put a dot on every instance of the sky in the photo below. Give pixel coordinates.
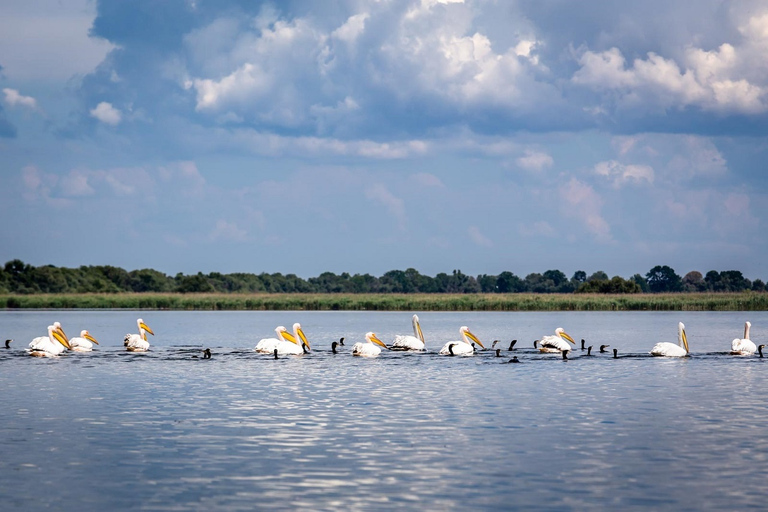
(364, 136)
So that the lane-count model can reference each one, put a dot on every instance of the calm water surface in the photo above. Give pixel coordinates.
(167, 430)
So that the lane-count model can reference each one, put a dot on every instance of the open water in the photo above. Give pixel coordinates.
(167, 430)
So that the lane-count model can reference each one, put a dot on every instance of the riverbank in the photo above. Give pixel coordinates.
(746, 301)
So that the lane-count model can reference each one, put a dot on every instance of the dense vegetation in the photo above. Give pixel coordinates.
(18, 278)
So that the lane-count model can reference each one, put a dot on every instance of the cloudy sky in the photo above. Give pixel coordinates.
(369, 135)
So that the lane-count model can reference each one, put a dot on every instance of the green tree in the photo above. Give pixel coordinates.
(663, 279)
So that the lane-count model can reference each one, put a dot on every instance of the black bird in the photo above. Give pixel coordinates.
(207, 353)
(334, 345)
(493, 346)
(275, 353)
(512, 345)
(602, 348)
(535, 343)
(760, 349)
(341, 341)
(582, 344)
(450, 348)
(514, 360)
(8, 343)
(565, 355)
(589, 350)
(498, 352)
(615, 353)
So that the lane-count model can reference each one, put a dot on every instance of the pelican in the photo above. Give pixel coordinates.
(668, 349)
(268, 345)
(463, 347)
(138, 342)
(83, 343)
(743, 346)
(557, 343)
(49, 346)
(408, 342)
(368, 349)
(293, 344)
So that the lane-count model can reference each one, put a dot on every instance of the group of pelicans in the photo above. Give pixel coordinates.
(296, 342)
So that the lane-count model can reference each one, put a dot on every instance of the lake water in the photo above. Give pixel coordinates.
(169, 431)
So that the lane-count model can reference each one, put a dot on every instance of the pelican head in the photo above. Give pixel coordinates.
(371, 338)
(300, 333)
(747, 325)
(467, 335)
(283, 334)
(57, 334)
(561, 332)
(417, 328)
(144, 327)
(682, 337)
(85, 334)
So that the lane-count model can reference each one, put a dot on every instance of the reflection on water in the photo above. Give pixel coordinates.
(170, 430)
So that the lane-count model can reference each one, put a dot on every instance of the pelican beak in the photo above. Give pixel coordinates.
(61, 337)
(567, 336)
(146, 328)
(421, 334)
(288, 336)
(379, 342)
(685, 341)
(62, 332)
(303, 337)
(91, 338)
(474, 338)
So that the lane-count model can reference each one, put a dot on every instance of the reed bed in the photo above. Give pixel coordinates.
(746, 301)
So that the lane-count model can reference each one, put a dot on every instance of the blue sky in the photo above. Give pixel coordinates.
(364, 136)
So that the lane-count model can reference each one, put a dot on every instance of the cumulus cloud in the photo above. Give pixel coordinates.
(394, 205)
(427, 180)
(621, 174)
(582, 202)
(225, 231)
(13, 98)
(535, 161)
(478, 237)
(107, 114)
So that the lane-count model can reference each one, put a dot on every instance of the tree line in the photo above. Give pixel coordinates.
(21, 278)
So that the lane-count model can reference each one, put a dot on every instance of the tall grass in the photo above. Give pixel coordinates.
(746, 301)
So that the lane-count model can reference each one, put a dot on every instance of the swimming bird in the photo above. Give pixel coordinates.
(368, 349)
(138, 342)
(602, 348)
(341, 341)
(743, 346)
(668, 349)
(293, 344)
(464, 346)
(49, 346)
(408, 342)
(514, 360)
(589, 350)
(557, 343)
(498, 352)
(82, 343)
(582, 344)
(207, 353)
(615, 353)
(333, 346)
(760, 349)
(8, 343)
(512, 345)
(268, 345)
(565, 355)
(535, 343)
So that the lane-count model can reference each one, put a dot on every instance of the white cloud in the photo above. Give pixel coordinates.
(394, 205)
(352, 28)
(697, 156)
(538, 228)
(621, 174)
(582, 202)
(427, 180)
(184, 177)
(107, 114)
(75, 184)
(480, 239)
(228, 232)
(535, 161)
(13, 98)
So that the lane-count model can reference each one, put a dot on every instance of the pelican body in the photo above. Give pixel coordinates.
(408, 342)
(83, 343)
(268, 345)
(744, 346)
(369, 349)
(463, 347)
(49, 346)
(293, 344)
(557, 343)
(667, 349)
(138, 342)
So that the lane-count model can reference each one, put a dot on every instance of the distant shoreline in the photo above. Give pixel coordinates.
(744, 301)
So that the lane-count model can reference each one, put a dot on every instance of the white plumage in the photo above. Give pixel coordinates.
(743, 346)
(83, 343)
(293, 344)
(368, 349)
(408, 342)
(463, 347)
(668, 349)
(557, 343)
(138, 342)
(49, 346)
(268, 345)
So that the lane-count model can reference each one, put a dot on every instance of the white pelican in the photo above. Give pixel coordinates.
(368, 349)
(463, 347)
(557, 343)
(268, 345)
(138, 342)
(743, 346)
(293, 344)
(668, 349)
(49, 346)
(408, 342)
(82, 343)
